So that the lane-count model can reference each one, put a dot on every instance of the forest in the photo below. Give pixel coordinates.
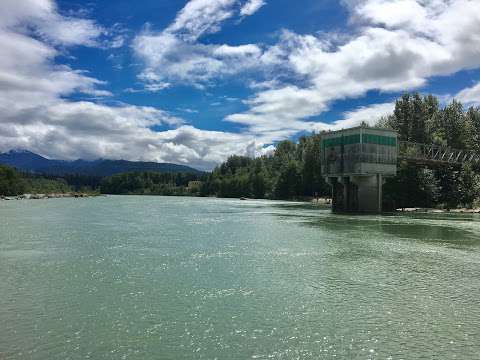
(293, 170)
(13, 182)
(150, 183)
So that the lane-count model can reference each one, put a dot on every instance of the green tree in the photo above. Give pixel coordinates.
(450, 128)
(469, 185)
(289, 181)
(257, 181)
(472, 129)
(11, 183)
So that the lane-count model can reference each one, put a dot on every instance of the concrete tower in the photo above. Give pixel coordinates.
(355, 162)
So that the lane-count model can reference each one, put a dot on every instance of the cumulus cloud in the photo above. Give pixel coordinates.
(36, 115)
(395, 45)
(470, 96)
(169, 59)
(42, 17)
(364, 114)
(398, 45)
(175, 54)
(88, 130)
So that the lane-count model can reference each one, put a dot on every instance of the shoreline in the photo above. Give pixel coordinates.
(328, 202)
(314, 201)
(439, 211)
(49, 196)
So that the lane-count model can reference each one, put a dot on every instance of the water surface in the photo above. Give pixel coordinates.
(190, 278)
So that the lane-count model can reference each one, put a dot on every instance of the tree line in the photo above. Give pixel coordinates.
(423, 120)
(150, 183)
(13, 182)
(293, 170)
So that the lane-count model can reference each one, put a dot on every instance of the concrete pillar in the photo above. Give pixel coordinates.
(345, 182)
(379, 192)
(369, 193)
(356, 193)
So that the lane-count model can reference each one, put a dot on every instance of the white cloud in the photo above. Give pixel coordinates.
(117, 42)
(237, 51)
(188, 110)
(87, 130)
(36, 116)
(69, 31)
(251, 7)
(398, 46)
(200, 17)
(470, 96)
(156, 87)
(368, 114)
(170, 59)
(41, 17)
(176, 55)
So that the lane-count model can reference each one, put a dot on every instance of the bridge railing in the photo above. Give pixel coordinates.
(430, 153)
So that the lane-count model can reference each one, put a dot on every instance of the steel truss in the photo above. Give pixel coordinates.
(428, 153)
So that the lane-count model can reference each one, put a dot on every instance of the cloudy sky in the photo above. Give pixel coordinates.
(192, 82)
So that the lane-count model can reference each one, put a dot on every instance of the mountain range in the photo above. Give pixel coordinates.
(30, 162)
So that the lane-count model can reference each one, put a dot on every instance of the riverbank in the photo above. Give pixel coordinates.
(441, 211)
(315, 201)
(476, 210)
(50, 196)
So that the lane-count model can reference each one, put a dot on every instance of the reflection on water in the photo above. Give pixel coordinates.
(457, 229)
(182, 278)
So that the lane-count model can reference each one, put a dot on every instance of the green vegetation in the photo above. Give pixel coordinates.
(421, 119)
(291, 172)
(11, 182)
(149, 183)
(14, 183)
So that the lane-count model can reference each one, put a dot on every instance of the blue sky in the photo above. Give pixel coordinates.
(195, 81)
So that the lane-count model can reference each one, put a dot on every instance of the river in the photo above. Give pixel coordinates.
(191, 278)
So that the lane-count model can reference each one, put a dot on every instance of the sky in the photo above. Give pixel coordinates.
(193, 82)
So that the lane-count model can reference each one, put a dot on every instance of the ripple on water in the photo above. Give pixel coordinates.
(156, 277)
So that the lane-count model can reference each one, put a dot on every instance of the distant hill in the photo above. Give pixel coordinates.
(27, 161)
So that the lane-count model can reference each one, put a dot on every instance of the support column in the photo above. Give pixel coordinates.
(344, 181)
(357, 193)
(379, 192)
(338, 198)
(369, 192)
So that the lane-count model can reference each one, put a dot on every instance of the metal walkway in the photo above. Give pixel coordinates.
(435, 154)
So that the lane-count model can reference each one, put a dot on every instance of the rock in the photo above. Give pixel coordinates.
(408, 209)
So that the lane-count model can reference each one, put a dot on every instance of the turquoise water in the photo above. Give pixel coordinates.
(190, 278)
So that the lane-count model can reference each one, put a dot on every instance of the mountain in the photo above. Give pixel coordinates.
(27, 161)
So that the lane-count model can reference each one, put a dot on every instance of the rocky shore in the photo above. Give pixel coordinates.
(48, 196)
